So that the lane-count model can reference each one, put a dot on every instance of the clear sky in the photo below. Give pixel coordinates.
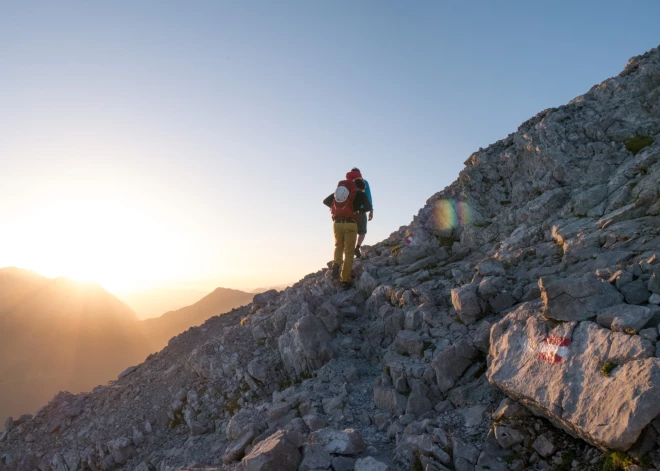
(194, 141)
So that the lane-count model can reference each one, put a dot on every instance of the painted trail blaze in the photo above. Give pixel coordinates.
(553, 349)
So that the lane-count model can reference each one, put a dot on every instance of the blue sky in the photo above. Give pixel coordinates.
(150, 141)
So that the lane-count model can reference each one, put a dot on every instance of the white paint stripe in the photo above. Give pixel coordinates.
(545, 348)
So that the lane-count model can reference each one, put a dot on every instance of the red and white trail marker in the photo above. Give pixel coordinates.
(553, 349)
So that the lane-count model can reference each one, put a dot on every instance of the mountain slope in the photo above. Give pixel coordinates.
(60, 335)
(161, 329)
(543, 255)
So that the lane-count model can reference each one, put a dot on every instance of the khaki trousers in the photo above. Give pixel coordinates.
(345, 236)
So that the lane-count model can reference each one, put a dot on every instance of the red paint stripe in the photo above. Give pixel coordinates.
(559, 341)
(551, 358)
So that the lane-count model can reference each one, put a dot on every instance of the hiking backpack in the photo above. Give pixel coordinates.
(342, 206)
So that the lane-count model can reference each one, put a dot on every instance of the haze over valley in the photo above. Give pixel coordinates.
(62, 335)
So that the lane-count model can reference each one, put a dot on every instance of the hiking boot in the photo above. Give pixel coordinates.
(335, 272)
(357, 252)
(346, 285)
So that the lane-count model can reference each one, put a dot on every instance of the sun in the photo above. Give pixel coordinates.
(97, 238)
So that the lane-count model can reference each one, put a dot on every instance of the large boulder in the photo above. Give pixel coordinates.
(450, 364)
(378, 298)
(264, 298)
(279, 452)
(121, 449)
(467, 305)
(339, 442)
(556, 371)
(306, 347)
(315, 457)
(577, 299)
(366, 283)
(625, 318)
(408, 342)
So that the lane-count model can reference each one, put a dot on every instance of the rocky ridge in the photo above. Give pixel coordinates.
(512, 325)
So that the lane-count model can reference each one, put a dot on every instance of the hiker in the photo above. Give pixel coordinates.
(345, 204)
(362, 222)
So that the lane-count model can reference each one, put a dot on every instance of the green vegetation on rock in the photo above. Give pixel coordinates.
(607, 368)
(616, 461)
(637, 143)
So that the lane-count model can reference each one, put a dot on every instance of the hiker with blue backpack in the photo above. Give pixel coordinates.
(362, 222)
(346, 204)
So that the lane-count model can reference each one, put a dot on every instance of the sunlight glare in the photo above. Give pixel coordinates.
(97, 238)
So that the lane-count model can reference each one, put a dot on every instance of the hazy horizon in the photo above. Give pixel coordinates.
(152, 301)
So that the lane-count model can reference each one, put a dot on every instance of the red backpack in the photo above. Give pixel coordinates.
(342, 206)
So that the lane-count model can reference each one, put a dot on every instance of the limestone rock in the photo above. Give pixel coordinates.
(366, 283)
(339, 442)
(241, 423)
(306, 347)
(264, 298)
(388, 399)
(534, 361)
(467, 305)
(121, 449)
(343, 463)
(314, 422)
(127, 371)
(418, 401)
(408, 342)
(507, 436)
(624, 318)
(370, 464)
(279, 452)
(491, 268)
(330, 316)
(576, 299)
(465, 454)
(450, 364)
(654, 281)
(636, 292)
(482, 336)
(236, 448)
(315, 457)
(543, 446)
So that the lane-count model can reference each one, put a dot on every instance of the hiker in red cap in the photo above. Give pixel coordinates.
(362, 222)
(346, 204)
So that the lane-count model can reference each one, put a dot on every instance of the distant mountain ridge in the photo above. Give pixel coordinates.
(58, 334)
(160, 330)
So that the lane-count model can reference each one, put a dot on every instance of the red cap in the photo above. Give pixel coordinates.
(353, 175)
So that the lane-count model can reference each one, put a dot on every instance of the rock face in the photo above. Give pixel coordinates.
(556, 372)
(340, 442)
(450, 364)
(306, 347)
(279, 452)
(625, 318)
(577, 299)
(392, 374)
(467, 305)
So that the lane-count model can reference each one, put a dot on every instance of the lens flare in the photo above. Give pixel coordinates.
(451, 214)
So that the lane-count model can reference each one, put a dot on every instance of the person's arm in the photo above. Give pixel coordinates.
(362, 202)
(329, 200)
